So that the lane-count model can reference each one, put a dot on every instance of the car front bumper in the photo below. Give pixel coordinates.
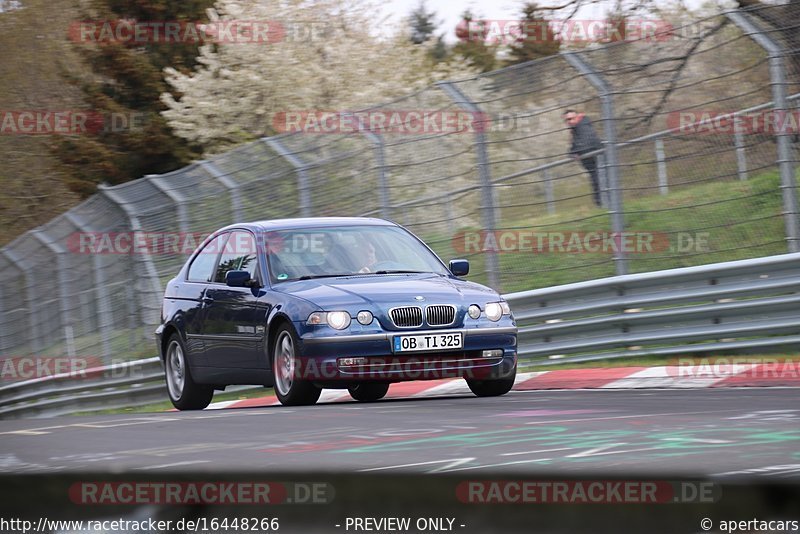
(487, 353)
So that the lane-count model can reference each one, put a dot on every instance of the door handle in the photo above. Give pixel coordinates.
(208, 300)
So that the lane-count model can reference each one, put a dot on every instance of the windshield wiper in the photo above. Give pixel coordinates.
(400, 271)
(310, 276)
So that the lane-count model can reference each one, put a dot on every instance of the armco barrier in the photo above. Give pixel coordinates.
(115, 386)
(745, 304)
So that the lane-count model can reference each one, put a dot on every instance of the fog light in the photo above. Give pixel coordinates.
(493, 353)
(364, 317)
(474, 311)
(351, 362)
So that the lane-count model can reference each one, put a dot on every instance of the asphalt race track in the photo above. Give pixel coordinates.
(712, 433)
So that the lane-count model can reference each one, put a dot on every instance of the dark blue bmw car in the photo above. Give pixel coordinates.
(306, 304)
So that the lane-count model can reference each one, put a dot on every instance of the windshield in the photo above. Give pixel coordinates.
(324, 252)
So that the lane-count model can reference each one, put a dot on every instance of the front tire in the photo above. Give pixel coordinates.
(183, 391)
(369, 391)
(290, 389)
(492, 388)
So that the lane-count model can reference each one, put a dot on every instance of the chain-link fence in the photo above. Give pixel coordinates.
(699, 143)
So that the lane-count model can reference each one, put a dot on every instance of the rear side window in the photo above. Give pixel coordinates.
(202, 267)
(239, 255)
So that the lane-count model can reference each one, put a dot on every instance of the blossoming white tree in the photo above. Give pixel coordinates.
(329, 55)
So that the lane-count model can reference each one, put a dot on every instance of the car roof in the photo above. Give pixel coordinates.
(310, 222)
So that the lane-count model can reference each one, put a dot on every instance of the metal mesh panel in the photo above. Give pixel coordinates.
(339, 174)
(525, 104)
(15, 309)
(40, 291)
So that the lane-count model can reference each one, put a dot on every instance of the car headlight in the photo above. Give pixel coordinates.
(338, 320)
(335, 319)
(495, 310)
(474, 311)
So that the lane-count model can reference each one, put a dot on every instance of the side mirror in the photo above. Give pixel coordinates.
(238, 279)
(459, 267)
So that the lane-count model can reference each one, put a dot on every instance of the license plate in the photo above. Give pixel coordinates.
(422, 342)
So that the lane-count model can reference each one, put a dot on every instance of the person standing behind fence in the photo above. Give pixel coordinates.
(585, 140)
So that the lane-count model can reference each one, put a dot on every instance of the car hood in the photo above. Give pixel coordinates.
(382, 291)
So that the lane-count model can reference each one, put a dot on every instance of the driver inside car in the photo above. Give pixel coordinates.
(367, 258)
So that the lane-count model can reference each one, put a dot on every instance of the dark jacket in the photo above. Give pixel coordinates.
(584, 138)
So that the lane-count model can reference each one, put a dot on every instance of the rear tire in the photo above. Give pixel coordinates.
(183, 392)
(369, 391)
(492, 388)
(290, 389)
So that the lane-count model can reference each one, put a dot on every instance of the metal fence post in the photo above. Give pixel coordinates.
(383, 183)
(783, 137)
(177, 198)
(30, 299)
(612, 165)
(738, 140)
(230, 184)
(302, 173)
(661, 165)
(61, 270)
(3, 345)
(103, 306)
(548, 192)
(488, 202)
(602, 179)
(451, 216)
(149, 267)
(384, 198)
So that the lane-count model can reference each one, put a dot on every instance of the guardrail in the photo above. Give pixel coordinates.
(745, 304)
(101, 388)
(731, 306)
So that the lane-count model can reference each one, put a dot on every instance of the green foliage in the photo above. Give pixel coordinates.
(423, 28)
(743, 221)
(423, 23)
(131, 138)
(472, 43)
(537, 38)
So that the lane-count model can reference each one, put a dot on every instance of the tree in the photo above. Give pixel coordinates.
(132, 138)
(473, 44)
(423, 23)
(616, 25)
(537, 37)
(423, 28)
(237, 91)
